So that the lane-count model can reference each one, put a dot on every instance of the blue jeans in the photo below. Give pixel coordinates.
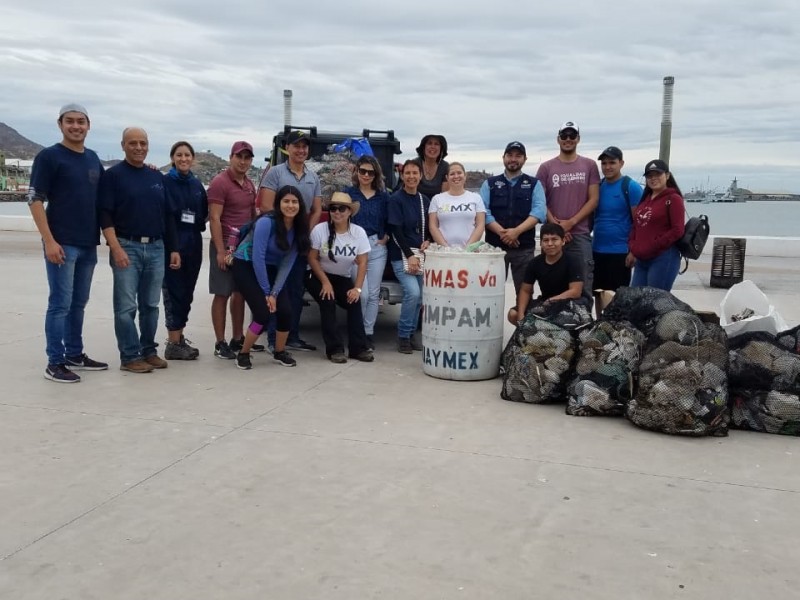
(376, 263)
(659, 272)
(69, 292)
(412, 300)
(138, 286)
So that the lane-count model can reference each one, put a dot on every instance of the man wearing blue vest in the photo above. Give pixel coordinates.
(515, 203)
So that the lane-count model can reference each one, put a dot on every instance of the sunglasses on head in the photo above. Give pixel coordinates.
(366, 172)
(571, 135)
(338, 208)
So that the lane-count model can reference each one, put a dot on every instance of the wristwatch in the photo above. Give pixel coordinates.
(358, 290)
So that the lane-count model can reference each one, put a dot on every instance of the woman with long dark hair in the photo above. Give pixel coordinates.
(369, 191)
(336, 247)
(407, 212)
(658, 223)
(433, 168)
(188, 206)
(262, 262)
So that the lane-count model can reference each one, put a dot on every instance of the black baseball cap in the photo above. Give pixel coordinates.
(518, 146)
(298, 136)
(656, 165)
(611, 152)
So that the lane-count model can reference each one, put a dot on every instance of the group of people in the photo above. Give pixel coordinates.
(269, 245)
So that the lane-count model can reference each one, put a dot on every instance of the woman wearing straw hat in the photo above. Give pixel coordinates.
(335, 247)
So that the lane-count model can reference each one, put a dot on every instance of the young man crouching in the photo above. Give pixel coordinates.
(559, 275)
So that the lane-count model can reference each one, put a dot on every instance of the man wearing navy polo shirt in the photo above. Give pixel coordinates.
(134, 218)
(65, 176)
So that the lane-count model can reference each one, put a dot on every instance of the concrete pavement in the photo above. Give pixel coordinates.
(364, 480)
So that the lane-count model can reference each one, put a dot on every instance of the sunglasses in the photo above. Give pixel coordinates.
(338, 208)
(366, 172)
(568, 136)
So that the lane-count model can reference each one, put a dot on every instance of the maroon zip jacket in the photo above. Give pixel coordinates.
(657, 224)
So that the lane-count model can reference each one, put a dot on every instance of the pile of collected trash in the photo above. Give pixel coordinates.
(538, 358)
(656, 361)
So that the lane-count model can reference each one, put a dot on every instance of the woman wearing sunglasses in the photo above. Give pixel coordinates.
(369, 191)
(658, 223)
(336, 246)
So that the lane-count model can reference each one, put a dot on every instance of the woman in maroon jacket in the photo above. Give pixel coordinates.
(658, 223)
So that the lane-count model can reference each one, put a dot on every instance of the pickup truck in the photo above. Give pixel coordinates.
(384, 146)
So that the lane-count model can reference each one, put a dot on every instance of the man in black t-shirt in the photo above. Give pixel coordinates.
(559, 275)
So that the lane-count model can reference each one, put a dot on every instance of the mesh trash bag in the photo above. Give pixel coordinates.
(608, 360)
(765, 383)
(642, 306)
(537, 361)
(683, 381)
(335, 171)
(569, 314)
(790, 339)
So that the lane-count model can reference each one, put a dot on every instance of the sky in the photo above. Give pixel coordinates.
(480, 73)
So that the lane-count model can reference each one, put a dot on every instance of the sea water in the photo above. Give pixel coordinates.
(734, 219)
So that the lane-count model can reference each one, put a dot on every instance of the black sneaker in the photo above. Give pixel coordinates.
(301, 346)
(84, 363)
(338, 357)
(236, 345)
(61, 374)
(243, 361)
(222, 350)
(364, 356)
(404, 346)
(180, 351)
(283, 358)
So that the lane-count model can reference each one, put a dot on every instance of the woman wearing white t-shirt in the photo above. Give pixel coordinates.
(335, 247)
(456, 217)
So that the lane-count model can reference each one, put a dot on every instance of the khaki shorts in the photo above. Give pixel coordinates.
(220, 283)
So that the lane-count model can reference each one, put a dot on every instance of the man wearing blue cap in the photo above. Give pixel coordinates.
(65, 176)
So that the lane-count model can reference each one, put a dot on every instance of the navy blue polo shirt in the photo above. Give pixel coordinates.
(133, 200)
(68, 181)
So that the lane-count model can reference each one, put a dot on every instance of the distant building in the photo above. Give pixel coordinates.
(15, 174)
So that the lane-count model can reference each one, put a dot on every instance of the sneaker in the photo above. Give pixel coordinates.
(415, 345)
(243, 361)
(188, 344)
(180, 352)
(155, 361)
(236, 345)
(404, 346)
(301, 346)
(222, 350)
(338, 358)
(284, 358)
(137, 366)
(61, 374)
(258, 348)
(364, 356)
(370, 342)
(84, 363)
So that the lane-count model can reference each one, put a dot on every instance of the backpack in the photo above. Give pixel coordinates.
(695, 236)
(626, 188)
(242, 238)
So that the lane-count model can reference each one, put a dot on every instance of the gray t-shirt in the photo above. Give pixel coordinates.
(280, 175)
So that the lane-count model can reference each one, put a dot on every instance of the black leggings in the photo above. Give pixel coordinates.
(248, 286)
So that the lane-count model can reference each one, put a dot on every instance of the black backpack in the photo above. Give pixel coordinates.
(695, 236)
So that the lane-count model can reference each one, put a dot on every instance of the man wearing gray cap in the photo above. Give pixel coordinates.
(65, 176)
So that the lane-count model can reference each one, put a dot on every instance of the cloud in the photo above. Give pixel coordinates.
(480, 73)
